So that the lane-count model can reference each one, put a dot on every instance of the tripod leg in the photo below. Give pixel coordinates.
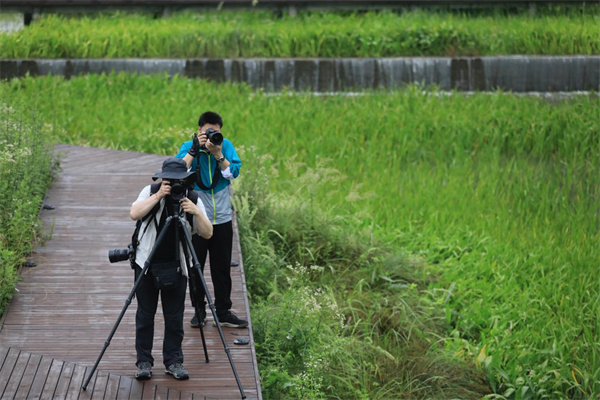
(197, 269)
(128, 300)
(203, 342)
(195, 302)
(194, 295)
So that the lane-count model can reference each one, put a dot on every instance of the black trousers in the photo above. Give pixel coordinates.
(219, 249)
(173, 306)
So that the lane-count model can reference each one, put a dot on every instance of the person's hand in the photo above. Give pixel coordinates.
(214, 150)
(202, 138)
(195, 149)
(165, 190)
(189, 207)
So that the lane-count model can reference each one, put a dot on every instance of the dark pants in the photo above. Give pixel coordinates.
(173, 306)
(219, 249)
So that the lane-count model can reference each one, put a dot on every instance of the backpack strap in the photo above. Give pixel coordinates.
(154, 188)
(134, 238)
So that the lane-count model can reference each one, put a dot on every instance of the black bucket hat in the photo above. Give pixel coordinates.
(176, 169)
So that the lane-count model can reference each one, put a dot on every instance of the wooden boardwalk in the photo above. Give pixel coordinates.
(65, 308)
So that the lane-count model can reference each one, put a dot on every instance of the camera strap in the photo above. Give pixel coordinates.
(214, 179)
(136, 240)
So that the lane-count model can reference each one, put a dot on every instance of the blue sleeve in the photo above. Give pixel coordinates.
(231, 155)
(183, 150)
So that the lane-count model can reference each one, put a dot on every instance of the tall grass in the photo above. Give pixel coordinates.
(26, 171)
(260, 34)
(490, 200)
(337, 314)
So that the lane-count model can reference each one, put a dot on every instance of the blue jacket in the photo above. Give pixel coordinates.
(208, 165)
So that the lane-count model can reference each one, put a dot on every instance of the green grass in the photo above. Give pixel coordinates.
(448, 229)
(26, 171)
(555, 31)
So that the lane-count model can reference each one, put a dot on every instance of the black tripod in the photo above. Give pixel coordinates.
(195, 275)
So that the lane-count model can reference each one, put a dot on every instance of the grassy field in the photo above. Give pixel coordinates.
(453, 238)
(551, 31)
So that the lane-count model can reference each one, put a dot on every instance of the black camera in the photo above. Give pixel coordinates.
(214, 136)
(116, 255)
(178, 190)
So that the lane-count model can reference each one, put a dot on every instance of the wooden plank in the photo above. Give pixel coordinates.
(186, 396)
(162, 392)
(124, 389)
(28, 376)
(64, 381)
(3, 354)
(173, 394)
(149, 392)
(86, 394)
(100, 384)
(39, 380)
(16, 375)
(137, 389)
(112, 387)
(7, 369)
(77, 379)
(52, 380)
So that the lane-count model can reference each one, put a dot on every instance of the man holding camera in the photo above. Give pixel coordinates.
(217, 164)
(167, 274)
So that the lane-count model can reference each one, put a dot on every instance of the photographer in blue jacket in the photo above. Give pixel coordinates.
(217, 164)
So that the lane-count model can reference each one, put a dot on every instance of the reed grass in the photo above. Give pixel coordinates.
(489, 201)
(261, 34)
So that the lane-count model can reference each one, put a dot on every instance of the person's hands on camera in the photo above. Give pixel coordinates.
(164, 190)
(206, 143)
(214, 150)
(139, 209)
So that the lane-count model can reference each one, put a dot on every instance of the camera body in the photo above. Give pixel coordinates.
(178, 189)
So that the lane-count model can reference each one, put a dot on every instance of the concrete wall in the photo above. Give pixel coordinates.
(511, 73)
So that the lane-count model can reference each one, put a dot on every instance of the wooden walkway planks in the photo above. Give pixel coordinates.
(65, 308)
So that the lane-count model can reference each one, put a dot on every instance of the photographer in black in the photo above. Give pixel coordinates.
(167, 274)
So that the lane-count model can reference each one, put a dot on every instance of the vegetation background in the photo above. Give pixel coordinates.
(405, 244)
(550, 31)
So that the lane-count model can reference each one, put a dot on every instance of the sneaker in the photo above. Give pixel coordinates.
(177, 371)
(231, 320)
(194, 322)
(144, 371)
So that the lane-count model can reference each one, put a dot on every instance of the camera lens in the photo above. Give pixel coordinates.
(177, 191)
(117, 255)
(214, 136)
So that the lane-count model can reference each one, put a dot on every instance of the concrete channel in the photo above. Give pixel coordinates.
(511, 73)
